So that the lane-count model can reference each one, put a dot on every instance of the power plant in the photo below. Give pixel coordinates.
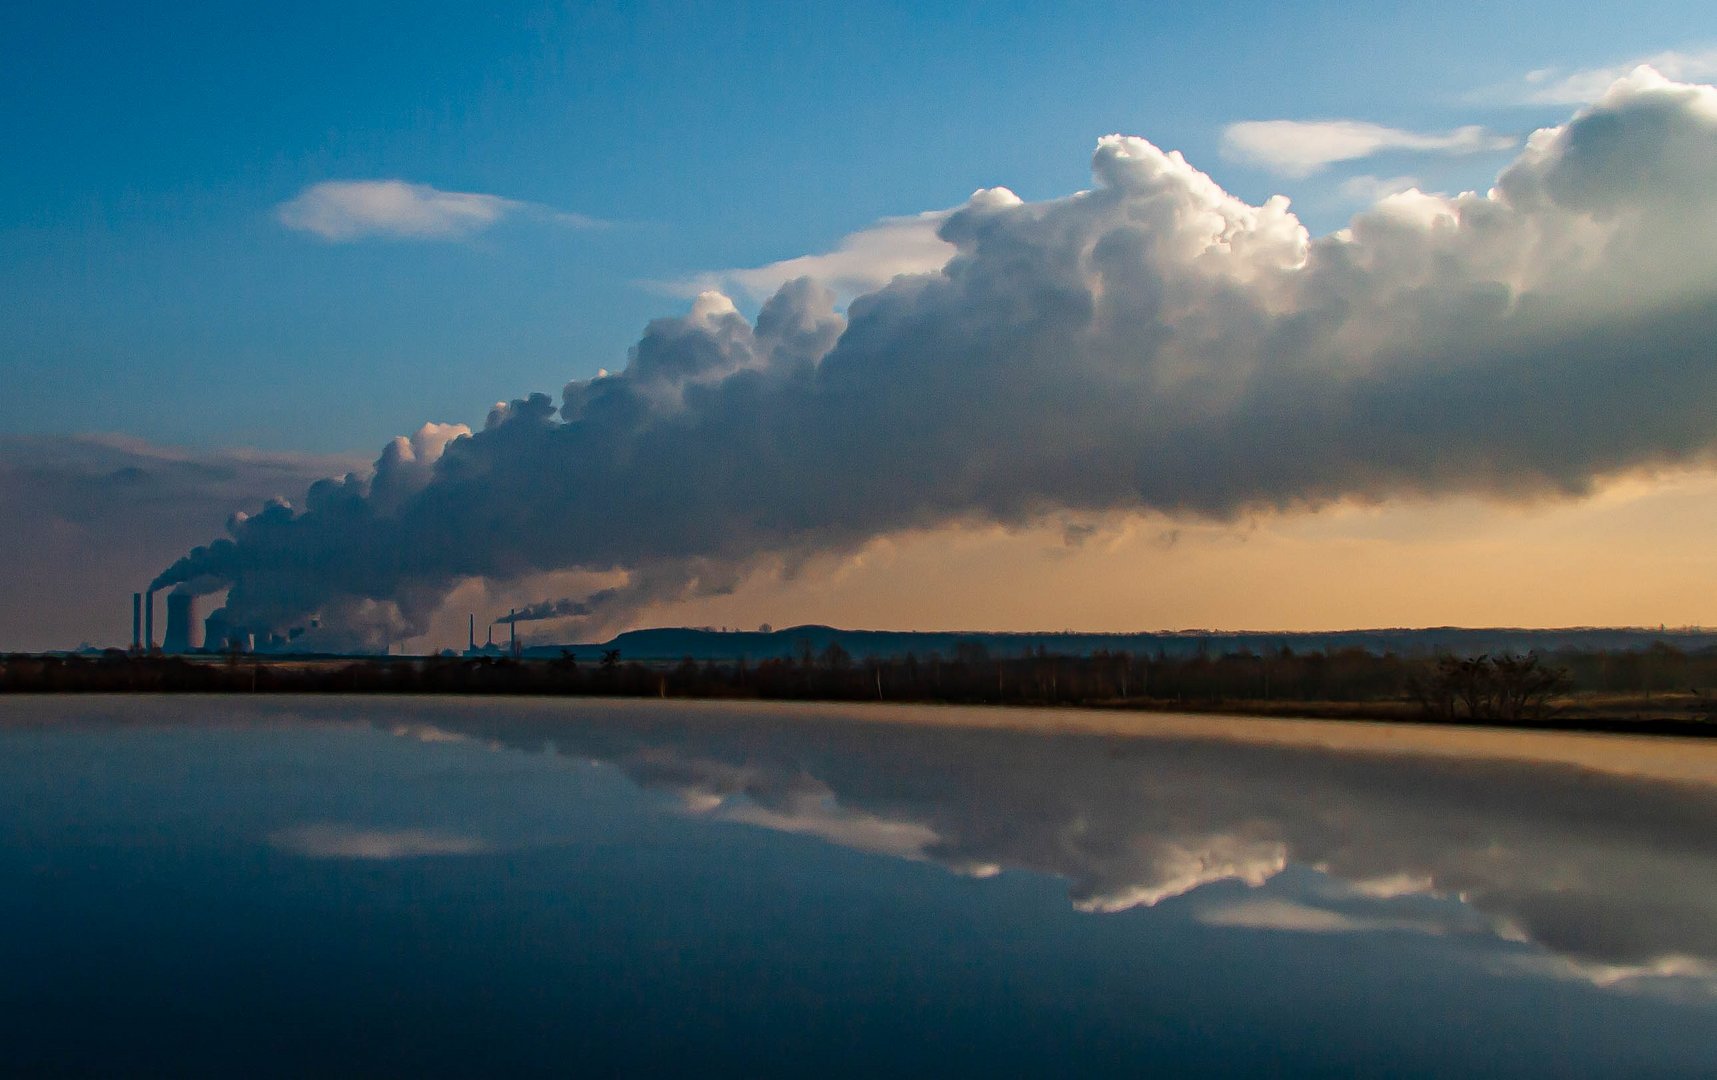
(488, 648)
(187, 634)
(183, 633)
(513, 647)
(221, 636)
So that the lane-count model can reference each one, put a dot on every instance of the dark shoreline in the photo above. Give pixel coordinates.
(1651, 718)
(1005, 683)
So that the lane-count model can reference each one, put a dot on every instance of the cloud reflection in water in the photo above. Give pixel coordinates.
(337, 841)
(1610, 879)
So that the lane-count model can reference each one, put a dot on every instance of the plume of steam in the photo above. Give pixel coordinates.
(564, 608)
(1151, 343)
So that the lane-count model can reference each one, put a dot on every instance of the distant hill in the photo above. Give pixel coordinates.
(674, 643)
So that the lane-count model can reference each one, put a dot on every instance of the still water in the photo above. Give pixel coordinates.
(219, 886)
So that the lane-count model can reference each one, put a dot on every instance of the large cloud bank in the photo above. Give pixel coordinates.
(1153, 343)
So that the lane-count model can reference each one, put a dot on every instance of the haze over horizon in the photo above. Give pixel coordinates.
(1465, 377)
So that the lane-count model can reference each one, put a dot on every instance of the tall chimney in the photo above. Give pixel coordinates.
(136, 621)
(471, 640)
(513, 627)
(149, 620)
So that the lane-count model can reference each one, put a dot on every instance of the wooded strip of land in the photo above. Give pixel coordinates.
(1658, 689)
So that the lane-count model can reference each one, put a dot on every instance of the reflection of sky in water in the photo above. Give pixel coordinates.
(447, 886)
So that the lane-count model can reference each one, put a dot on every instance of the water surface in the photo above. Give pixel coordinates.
(451, 887)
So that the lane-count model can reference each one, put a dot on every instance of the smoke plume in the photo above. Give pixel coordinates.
(564, 608)
(1152, 343)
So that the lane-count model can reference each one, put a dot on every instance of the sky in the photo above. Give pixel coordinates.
(260, 245)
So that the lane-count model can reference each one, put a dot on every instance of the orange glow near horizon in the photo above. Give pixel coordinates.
(1635, 553)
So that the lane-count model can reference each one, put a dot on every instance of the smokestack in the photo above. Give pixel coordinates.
(513, 625)
(149, 620)
(471, 639)
(136, 621)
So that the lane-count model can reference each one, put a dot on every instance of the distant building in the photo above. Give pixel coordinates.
(488, 648)
(217, 632)
(183, 633)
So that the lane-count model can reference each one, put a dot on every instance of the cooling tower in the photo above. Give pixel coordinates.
(218, 634)
(181, 623)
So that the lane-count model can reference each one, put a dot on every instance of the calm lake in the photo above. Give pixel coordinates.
(294, 886)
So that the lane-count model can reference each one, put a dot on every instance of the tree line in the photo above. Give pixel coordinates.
(1446, 688)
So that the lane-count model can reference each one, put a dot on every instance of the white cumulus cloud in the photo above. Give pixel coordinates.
(1560, 86)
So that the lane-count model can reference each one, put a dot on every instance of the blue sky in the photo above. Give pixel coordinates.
(148, 286)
